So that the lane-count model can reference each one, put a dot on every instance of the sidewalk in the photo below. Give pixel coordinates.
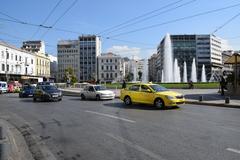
(12, 143)
(210, 96)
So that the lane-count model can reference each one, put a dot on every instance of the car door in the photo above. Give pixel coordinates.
(146, 95)
(134, 93)
(38, 92)
(91, 92)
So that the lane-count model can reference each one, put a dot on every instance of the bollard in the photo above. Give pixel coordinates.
(200, 98)
(227, 100)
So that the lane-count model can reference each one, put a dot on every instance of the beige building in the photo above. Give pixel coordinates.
(34, 46)
(42, 65)
(110, 68)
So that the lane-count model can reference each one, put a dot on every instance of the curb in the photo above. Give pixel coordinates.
(213, 104)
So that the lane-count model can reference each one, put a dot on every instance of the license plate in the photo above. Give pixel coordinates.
(55, 96)
(30, 95)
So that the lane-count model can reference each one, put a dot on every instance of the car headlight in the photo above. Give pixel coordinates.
(170, 97)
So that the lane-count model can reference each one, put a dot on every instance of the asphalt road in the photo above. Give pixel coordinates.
(108, 130)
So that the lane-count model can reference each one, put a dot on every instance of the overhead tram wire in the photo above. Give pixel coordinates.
(48, 16)
(24, 23)
(149, 17)
(226, 23)
(6, 15)
(59, 18)
(138, 17)
(176, 20)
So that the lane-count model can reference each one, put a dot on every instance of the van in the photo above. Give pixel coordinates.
(3, 87)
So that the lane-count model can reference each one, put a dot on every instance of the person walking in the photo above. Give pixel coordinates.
(124, 85)
(222, 85)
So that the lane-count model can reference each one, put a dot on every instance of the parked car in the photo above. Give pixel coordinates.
(26, 91)
(10, 88)
(3, 87)
(153, 94)
(14, 87)
(47, 93)
(97, 92)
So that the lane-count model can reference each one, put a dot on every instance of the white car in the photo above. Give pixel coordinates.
(97, 92)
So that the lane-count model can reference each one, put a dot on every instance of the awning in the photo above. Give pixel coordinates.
(233, 58)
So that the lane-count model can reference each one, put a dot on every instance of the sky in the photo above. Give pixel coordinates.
(102, 16)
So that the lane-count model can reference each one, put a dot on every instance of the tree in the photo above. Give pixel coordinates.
(69, 75)
(140, 75)
(129, 76)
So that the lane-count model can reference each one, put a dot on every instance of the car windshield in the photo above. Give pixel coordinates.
(158, 88)
(100, 88)
(48, 87)
(28, 87)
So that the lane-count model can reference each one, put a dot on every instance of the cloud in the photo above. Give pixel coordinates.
(126, 51)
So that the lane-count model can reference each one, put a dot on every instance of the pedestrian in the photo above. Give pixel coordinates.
(190, 85)
(124, 85)
(222, 84)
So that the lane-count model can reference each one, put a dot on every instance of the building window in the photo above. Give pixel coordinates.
(107, 60)
(3, 67)
(15, 57)
(110, 67)
(102, 67)
(7, 55)
(110, 60)
(20, 58)
(115, 75)
(111, 76)
(102, 60)
(116, 60)
(107, 67)
(115, 67)
(102, 75)
(31, 61)
(7, 67)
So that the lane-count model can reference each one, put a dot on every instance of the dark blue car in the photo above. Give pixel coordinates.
(26, 91)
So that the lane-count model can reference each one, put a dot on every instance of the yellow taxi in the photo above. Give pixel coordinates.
(148, 93)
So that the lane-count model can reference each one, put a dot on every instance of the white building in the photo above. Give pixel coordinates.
(110, 68)
(15, 63)
(53, 67)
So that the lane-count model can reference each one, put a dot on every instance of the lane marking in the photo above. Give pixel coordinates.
(111, 116)
(135, 146)
(233, 150)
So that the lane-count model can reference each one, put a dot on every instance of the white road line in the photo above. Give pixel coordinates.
(135, 146)
(233, 150)
(110, 116)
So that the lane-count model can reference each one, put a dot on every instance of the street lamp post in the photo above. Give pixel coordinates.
(6, 70)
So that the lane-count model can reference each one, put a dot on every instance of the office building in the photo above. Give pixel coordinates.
(81, 55)
(152, 70)
(206, 49)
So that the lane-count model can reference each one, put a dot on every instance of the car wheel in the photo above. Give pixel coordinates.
(34, 99)
(159, 103)
(98, 97)
(127, 100)
(60, 99)
(83, 97)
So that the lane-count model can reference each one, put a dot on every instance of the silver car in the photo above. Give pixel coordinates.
(97, 92)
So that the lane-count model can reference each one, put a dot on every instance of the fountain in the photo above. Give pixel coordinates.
(184, 72)
(168, 60)
(194, 74)
(162, 78)
(176, 72)
(203, 76)
(134, 70)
